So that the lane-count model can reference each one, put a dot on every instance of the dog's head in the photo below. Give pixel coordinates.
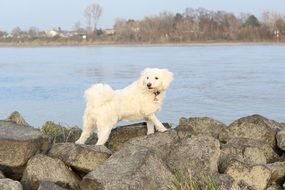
(155, 80)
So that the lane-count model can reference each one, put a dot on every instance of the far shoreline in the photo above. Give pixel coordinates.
(134, 44)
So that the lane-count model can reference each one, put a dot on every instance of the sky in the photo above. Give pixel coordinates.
(51, 14)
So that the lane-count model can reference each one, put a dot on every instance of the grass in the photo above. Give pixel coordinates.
(57, 131)
(183, 182)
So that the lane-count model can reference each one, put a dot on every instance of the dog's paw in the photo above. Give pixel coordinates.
(149, 133)
(163, 130)
(78, 142)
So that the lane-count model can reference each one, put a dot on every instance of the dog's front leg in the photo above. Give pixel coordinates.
(150, 127)
(158, 125)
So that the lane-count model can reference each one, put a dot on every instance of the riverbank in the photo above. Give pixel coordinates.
(126, 44)
(200, 152)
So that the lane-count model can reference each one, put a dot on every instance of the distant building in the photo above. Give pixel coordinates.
(109, 31)
(52, 33)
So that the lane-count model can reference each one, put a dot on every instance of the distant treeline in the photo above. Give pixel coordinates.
(202, 25)
(193, 25)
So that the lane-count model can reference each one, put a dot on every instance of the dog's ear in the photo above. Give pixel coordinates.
(145, 71)
(167, 78)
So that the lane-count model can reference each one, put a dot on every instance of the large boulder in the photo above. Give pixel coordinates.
(254, 127)
(43, 168)
(17, 145)
(133, 168)
(47, 185)
(84, 158)
(198, 155)
(201, 125)
(9, 184)
(257, 176)
(280, 137)
(161, 143)
(122, 134)
(277, 172)
(245, 150)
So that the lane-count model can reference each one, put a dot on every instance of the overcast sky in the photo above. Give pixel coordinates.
(65, 13)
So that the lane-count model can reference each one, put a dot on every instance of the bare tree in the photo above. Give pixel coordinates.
(92, 14)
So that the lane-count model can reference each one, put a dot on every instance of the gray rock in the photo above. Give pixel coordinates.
(2, 175)
(43, 168)
(198, 155)
(9, 184)
(17, 145)
(161, 143)
(274, 187)
(122, 134)
(254, 127)
(277, 172)
(225, 182)
(249, 151)
(133, 168)
(280, 137)
(201, 125)
(16, 118)
(257, 176)
(84, 158)
(47, 185)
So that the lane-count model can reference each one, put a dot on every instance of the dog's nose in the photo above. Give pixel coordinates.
(148, 84)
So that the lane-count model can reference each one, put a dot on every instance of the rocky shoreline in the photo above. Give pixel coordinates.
(247, 154)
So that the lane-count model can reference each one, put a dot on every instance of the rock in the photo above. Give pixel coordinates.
(161, 143)
(256, 176)
(254, 127)
(17, 145)
(280, 137)
(47, 185)
(84, 158)
(133, 168)
(198, 155)
(122, 134)
(278, 172)
(1, 175)
(226, 182)
(43, 168)
(9, 184)
(249, 151)
(16, 118)
(200, 125)
(274, 187)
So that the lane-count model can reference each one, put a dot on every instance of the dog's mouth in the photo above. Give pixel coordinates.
(150, 88)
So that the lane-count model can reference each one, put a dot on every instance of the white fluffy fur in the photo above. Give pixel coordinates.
(105, 107)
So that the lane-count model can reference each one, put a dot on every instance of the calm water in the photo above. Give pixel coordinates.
(223, 82)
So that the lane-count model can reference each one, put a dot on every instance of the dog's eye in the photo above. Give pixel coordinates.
(147, 77)
(156, 78)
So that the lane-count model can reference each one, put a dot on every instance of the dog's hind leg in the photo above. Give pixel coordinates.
(88, 128)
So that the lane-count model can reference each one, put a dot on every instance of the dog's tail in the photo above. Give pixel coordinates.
(99, 94)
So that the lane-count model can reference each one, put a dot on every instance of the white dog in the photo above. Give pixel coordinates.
(141, 100)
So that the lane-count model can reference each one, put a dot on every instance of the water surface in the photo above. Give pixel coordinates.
(223, 82)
